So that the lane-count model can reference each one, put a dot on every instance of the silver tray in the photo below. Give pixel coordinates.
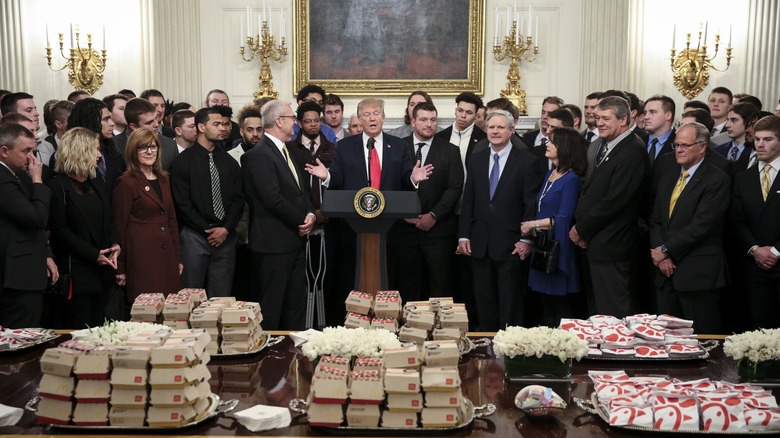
(268, 341)
(49, 335)
(299, 405)
(706, 347)
(216, 407)
(466, 345)
(593, 407)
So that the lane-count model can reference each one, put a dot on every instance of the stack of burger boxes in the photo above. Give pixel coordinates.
(402, 384)
(241, 330)
(452, 321)
(438, 319)
(328, 394)
(208, 318)
(387, 310)
(57, 384)
(147, 307)
(197, 295)
(93, 388)
(176, 310)
(444, 404)
(241, 382)
(359, 306)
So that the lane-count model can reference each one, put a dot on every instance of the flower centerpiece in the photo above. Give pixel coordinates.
(350, 342)
(113, 333)
(758, 353)
(538, 351)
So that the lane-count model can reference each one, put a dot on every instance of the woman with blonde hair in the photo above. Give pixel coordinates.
(83, 235)
(145, 217)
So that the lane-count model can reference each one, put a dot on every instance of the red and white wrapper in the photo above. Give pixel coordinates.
(619, 351)
(688, 331)
(675, 412)
(627, 399)
(631, 415)
(650, 332)
(760, 399)
(738, 387)
(692, 341)
(594, 351)
(683, 350)
(675, 322)
(589, 334)
(625, 344)
(700, 385)
(721, 414)
(760, 418)
(604, 319)
(617, 333)
(648, 380)
(567, 323)
(651, 352)
(609, 390)
(597, 375)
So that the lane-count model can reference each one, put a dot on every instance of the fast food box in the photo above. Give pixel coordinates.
(402, 381)
(59, 361)
(366, 387)
(396, 419)
(159, 416)
(177, 353)
(131, 357)
(359, 302)
(325, 414)
(163, 333)
(229, 301)
(205, 317)
(410, 402)
(197, 295)
(455, 319)
(178, 377)
(93, 391)
(52, 411)
(389, 324)
(237, 316)
(56, 387)
(127, 417)
(442, 399)
(420, 319)
(169, 397)
(441, 353)
(406, 356)
(419, 306)
(437, 302)
(146, 341)
(447, 307)
(90, 414)
(255, 306)
(129, 398)
(177, 324)
(235, 347)
(329, 386)
(450, 333)
(440, 378)
(146, 310)
(356, 320)
(440, 417)
(339, 363)
(412, 334)
(240, 333)
(368, 364)
(77, 346)
(177, 306)
(130, 378)
(362, 415)
(212, 347)
(92, 366)
(387, 305)
(198, 335)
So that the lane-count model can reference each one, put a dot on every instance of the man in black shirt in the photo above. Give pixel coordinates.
(206, 185)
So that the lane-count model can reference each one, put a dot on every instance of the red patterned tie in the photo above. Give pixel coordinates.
(376, 169)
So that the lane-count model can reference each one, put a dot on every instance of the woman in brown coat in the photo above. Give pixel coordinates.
(146, 220)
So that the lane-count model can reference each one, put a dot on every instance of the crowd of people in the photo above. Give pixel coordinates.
(654, 210)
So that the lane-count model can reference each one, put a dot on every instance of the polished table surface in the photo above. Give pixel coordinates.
(280, 373)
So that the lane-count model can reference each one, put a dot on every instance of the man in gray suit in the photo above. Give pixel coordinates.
(140, 112)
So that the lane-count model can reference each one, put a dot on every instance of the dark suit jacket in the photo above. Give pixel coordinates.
(348, 170)
(693, 234)
(666, 148)
(441, 192)
(608, 210)
(756, 221)
(77, 239)
(476, 136)
(276, 202)
(168, 148)
(493, 226)
(641, 133)
(530, 137)
(23, 218)
(324, 153)
(743, 161)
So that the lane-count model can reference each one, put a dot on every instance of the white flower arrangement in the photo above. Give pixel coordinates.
(348, 343)
(756, 346)
(539, 341)
(113, 333)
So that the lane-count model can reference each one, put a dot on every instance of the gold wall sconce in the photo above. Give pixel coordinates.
(263, 46)
(85, 65)
(516, 47)
(690, 67)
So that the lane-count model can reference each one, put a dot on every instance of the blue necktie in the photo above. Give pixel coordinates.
(602, 152)
(734, 152)
(590, 136)
(494, 176)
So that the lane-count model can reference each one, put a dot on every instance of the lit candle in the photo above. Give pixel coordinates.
(674, 37)
(530, 13)
(47, 35)
(536, 34)
(495, 32)
(729, 35)
(706, 28)
(508, 20)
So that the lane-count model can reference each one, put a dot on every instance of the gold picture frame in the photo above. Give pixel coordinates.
(390, 47)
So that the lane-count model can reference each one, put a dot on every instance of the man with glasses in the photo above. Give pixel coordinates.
(206, 186)
(316, 94)
(686, 233)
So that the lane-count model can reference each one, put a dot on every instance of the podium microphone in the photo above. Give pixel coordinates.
(370, 146)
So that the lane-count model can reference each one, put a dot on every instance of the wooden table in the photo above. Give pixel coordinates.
(281, 373)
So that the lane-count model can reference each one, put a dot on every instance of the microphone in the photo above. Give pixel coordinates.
(370, 146)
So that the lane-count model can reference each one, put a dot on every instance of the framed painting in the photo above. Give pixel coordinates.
(390, 47)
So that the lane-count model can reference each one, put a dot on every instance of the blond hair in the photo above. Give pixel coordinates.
(76, 155)
(371, 102)
(142, 137)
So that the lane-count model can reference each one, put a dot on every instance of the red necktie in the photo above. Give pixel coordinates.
(376, 169)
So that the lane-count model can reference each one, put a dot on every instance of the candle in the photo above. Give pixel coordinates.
(71, 35)
(259, 26)
(517, 31)
(495, 32)
(536, 34)
(706, 28)
(508, 20)
(515, 6)
(248, 18)
(270, 23)
(47, 35)
(522, 28)
(674, 37)
(104, 38)
(241, 36)
(281, 24)
(530, 13)
(265, 18)
(729, 35)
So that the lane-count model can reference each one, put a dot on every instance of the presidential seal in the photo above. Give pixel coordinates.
(369, 202)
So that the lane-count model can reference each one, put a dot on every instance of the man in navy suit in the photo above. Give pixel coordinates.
(535, 137)
(738, 150)
(501, 187)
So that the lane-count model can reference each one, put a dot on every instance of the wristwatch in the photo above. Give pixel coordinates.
(752, 250)
(663, 249)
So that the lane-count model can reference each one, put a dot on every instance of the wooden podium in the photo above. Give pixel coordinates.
(370, 263)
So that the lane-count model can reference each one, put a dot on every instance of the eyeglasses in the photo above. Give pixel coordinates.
(148, 148)
(311, 121)
(290, 117)
(679, 145)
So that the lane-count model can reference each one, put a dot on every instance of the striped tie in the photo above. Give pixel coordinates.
(765, 182)
(216, 189)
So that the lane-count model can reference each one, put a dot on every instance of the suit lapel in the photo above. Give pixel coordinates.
(145, 187)
(689, 187)
(509, 167)
(280, 156)
(772, 190)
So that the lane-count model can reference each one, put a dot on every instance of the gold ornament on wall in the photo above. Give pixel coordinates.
(85, 65)
(690, 67)
(263, 46)
(516, 47)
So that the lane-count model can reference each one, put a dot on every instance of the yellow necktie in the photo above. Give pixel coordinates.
(290, 165)
(765, 181)
(677, 190)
